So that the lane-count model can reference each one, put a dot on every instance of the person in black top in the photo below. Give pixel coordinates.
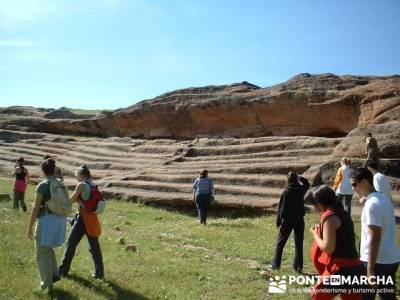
(290, 216)
(21, 179)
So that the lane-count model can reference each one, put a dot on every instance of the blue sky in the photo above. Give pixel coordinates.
(106, 54)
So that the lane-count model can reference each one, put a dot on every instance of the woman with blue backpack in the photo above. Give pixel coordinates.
(85, 222)
(203, 195)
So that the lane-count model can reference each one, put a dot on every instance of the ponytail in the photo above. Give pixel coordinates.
(48, 166)
(83, 170)
(345, 161)
(203, 173)
(20, 162)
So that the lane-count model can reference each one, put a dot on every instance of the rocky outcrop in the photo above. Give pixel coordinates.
(248, 173)
(325, 173)
(315, 105)
(65, 113)
(46, 120)
(387, 136)
(248, 137)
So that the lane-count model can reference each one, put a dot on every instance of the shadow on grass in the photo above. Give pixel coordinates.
(216, 210)
(214, 223)
(62, 295)
(107, 288)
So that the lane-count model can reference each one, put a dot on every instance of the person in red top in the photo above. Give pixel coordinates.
(21, 180)
(334, 251)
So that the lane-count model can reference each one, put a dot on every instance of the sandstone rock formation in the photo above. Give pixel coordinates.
(248, 173)
(313, 105)
(248, 137)
(387, 135)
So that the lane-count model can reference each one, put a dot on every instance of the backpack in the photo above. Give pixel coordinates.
(59, 202)
(91, 222)
(96, 203)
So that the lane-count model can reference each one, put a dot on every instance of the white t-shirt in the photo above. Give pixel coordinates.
(345, 185)
(378, 210)
(382, 185)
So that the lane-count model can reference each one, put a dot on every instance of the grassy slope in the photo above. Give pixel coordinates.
(176, 258)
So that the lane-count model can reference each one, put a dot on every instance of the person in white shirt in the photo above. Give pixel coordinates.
(381, 182)
(378, 250)
(342, 186)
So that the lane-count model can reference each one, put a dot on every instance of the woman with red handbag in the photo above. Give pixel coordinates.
(333, 252)
(21, 180)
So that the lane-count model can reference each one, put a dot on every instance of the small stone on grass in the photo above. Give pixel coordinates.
(130, 248)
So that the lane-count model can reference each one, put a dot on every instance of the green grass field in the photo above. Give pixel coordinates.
(176, 258)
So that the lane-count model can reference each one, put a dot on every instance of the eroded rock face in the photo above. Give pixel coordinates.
(248, 173)
(248, 137)
(65, 113)
(387, 136)
(325, 173)
(316, 105)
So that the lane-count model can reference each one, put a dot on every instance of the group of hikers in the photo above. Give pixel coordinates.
(51, 219)
(333, 251)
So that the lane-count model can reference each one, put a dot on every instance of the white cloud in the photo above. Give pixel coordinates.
(18, 43)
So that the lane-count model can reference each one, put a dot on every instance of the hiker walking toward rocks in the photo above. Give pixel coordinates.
(50, 229)
(342, 185)
(334, 247)
(378, 249)
(372, 150)
(84, 223)
(57, 171)
(290, 216)
(203, 191)
(381, 182)
(21, 180)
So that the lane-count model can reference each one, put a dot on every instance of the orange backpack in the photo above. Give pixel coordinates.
(91, 221)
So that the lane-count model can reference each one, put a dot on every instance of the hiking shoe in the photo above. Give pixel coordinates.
(273, 268)
(96, 276)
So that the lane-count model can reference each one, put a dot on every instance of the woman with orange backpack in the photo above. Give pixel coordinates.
(333, 251)
(86, 223)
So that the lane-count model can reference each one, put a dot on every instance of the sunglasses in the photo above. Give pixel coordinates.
(354, 184)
